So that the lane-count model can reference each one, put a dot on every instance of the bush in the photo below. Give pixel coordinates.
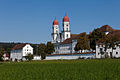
(1, 59)
(16, 60)
(29, 57)
(43, 56)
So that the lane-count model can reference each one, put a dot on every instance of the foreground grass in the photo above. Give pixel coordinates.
(108, 69)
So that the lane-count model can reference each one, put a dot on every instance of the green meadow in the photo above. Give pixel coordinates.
(105, 69)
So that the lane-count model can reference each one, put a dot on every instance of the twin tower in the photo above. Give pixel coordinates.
(65, 34)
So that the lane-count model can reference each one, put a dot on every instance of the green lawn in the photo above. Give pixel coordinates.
(108, 69)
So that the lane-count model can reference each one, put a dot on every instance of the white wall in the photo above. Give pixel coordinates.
(16, 54)
(66, 26)
(66, 57)
(20, 53)
(63, 48)
(36, 57)
(69, 57)
(116, 51)
(55, 29)
(27, 50)
(66, 31)
(55, 34)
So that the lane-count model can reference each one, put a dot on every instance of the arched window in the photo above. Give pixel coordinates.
(56, 31)
(67, 29)
(67, 36)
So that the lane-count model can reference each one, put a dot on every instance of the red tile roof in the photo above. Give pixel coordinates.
(69, 40)
(18, 46)
(106, 28)
(115, 33)
(55, 22)
(65, 19)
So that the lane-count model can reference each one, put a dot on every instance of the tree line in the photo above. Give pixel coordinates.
(41, 49)
(44, 49)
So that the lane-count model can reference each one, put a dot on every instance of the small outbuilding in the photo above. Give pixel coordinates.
(6, 56)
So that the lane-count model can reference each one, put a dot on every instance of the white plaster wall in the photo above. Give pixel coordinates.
(68, 57)
(66, 26)
(108, 51)
(27, 50)
(55, 29)
(37, 58)
(66, 31)
(116, 52)
(64, 35)
(55, 34)
(19, 54)
(65, 48)
(98, 54)
(54, 38)
(16, 54)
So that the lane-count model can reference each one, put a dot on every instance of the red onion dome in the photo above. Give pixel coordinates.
(55, 22)
(65, 19)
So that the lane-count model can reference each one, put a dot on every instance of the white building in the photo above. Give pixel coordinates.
(64, 42)
(6, 56)
(100, 47)
(20, 51)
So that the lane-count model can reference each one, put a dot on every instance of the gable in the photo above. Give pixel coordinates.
(27, 46)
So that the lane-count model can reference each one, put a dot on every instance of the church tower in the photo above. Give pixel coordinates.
(66, 28)
(55, 30)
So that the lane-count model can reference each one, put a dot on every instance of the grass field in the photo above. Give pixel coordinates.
(108, 69)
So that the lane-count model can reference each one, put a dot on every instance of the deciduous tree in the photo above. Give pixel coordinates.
(42, 51)
(94, 37)
(110, 42)
(82, 42)
(49, 48)
(1, 53)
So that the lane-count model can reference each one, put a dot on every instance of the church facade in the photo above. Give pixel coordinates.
(64, 42)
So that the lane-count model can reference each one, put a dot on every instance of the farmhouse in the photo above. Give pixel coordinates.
(101, 52)
(20, 51)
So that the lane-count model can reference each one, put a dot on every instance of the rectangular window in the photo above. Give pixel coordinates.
(116, 52)
(101, 49)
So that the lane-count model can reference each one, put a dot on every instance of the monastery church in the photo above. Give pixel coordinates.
(64, 42)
